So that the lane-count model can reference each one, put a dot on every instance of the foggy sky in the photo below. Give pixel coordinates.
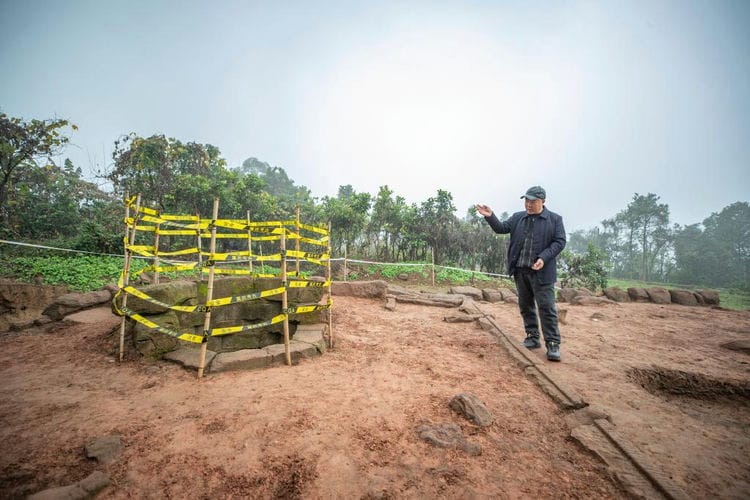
(596, 101)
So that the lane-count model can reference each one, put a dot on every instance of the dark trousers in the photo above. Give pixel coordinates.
(533, 296)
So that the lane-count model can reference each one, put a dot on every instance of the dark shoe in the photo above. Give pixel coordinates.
(553, 351)
(531, 342)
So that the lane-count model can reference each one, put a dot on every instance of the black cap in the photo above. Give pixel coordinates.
(535, 193)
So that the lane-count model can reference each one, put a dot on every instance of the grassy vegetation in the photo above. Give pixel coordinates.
(421, 273)
(730, 298)
(86, 273)
(80, 273)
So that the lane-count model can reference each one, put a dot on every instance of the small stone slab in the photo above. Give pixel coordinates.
(470, 291)
(83, 489)
(659, 295)
(617, 294)
(589, 300)
(72, 302)
(637, 294)
(244, 359)
(492, 295)
(683, 297)
(297, 351)
(448, 436)
(710, 297)
(466, 318)
(103, 449)
(189, 358)
(368, 289)
(312, 336)
(472, 408)
(566, 294)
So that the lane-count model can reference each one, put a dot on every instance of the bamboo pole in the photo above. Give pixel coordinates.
(330, 296)
(285, 298)
(296, 242)
(129, 240)
(156, 254)
(433, 267)
(209, 289)
(199, 267)
(249, 245)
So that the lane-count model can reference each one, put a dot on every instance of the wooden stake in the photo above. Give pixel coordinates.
(156, 254)
(199, 267)
(129, 240)
(433, 267)
(285, 298)
(249, 244)
(209, 289)
(296, 243)
(345, 272)
(330, 297)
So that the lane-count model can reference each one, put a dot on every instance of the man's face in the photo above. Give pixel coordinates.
(533, 207)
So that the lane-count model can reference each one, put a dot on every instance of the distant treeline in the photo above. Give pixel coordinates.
(52, 204)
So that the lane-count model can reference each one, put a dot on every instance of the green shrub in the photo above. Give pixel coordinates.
(588, 270)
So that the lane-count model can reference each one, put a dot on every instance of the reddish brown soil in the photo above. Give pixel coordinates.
(344, 425)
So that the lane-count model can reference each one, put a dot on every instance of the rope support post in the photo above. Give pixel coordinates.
(209, 291)
(129, 240)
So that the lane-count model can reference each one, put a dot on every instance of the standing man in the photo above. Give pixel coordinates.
(537, 236)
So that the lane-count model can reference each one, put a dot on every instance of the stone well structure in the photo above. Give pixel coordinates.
(153, 343)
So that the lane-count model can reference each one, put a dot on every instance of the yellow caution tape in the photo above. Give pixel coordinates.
(308, 309)
(148, 211)
(244, 298)
(176, 232)
(145, 250)
(231, 224)
(305, 284)
(266, 238)
(229, 256)
(218, 270)
(307, 255)
(268, 258)
(215, 332)
(314, 229)
(137, 293)
(189, 337)
(189, 218)
(185, 251)
(321, 242)
(175, 267)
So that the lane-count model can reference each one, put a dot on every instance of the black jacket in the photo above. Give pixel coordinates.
(549, 240)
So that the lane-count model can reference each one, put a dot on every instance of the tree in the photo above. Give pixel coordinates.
(438, 221)
(730, 231)
(639, 236)
(277, 183)
(143, 166)
(348, 215)
(717, 254)
(22, 145)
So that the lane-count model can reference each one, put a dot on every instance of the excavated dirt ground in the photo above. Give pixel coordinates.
(344, 425)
